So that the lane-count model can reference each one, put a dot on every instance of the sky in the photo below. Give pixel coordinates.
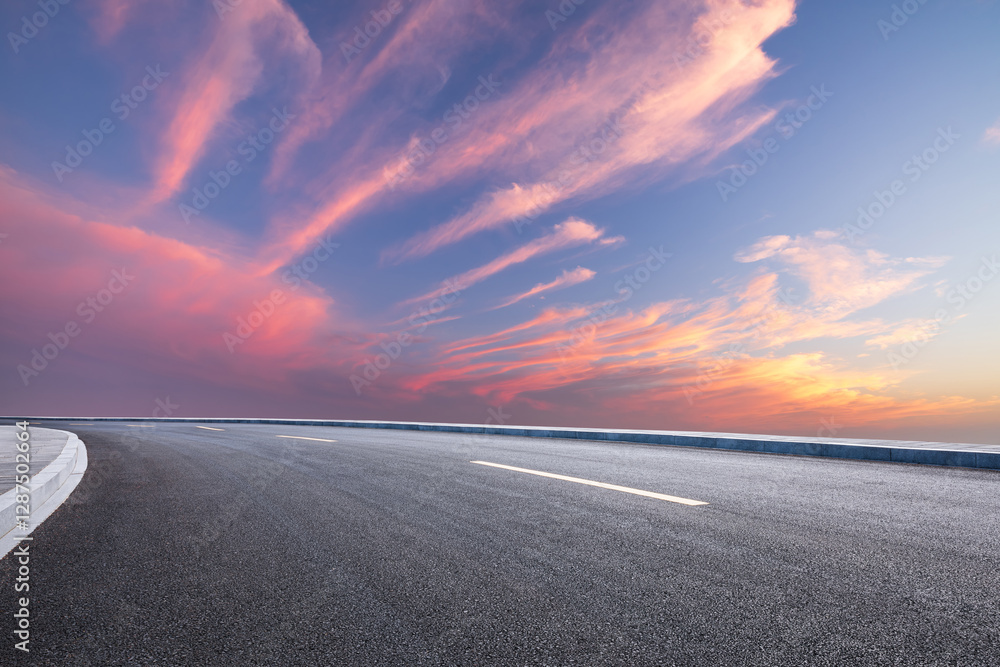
(752, 217)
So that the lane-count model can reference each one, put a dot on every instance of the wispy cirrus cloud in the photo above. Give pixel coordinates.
(258, 34)
(656, 358)
(408, 53)
(668, 115)
(665, 115)
(110, 16)
(841, 280)
(413, 58)
(567, 234)
(566, 279)
(621, 97)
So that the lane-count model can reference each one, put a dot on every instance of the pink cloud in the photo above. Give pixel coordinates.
(179, 303)
(717, 362)
(631, 97)
(567, 279)
(110, 16)
(571, 232)
(253, 36)
(991, 137)
(409, 52)
(651, 113)
(842, 279)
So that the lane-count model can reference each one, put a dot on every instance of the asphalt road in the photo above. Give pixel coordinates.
(192, 546)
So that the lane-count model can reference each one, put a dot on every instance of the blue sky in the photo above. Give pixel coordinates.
(770, 314)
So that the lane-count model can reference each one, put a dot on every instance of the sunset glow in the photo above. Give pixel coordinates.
(764, 216)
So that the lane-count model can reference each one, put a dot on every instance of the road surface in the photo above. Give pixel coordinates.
(230, 545)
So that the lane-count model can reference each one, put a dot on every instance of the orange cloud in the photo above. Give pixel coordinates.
(717, 362)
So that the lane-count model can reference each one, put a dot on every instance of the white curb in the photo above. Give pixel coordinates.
(49, 489)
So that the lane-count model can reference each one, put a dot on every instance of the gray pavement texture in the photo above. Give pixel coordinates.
(185, 546)
(46, 445)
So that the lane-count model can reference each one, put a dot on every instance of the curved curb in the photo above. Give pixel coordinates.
(49, 489)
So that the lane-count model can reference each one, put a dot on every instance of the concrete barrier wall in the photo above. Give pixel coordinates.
(966, 456)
